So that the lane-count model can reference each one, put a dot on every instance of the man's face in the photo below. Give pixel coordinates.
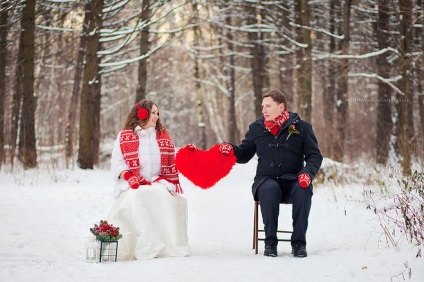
(271, 109)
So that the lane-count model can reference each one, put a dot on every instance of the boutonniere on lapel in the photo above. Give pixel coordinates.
(292, 130)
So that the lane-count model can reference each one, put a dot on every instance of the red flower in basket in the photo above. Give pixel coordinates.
(106, 232)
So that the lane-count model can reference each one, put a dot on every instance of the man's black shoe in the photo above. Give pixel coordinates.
(299, 251)
(270, 251)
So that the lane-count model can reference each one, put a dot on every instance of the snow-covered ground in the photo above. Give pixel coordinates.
(45, 216)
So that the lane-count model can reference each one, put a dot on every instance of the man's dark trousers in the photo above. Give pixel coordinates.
(270, 194)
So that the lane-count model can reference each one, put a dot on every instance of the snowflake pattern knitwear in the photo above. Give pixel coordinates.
(129, 143)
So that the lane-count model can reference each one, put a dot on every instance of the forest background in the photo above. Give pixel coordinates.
(71, 70)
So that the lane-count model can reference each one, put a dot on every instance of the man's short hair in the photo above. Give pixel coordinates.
(278, 96)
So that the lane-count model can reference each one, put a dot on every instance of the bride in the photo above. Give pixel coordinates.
(149, 208)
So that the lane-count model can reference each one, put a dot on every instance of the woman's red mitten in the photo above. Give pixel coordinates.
(131, 179)
(145, 182)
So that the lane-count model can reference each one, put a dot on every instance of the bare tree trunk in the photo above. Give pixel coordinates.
(420, 89)
(304, 60)
(90, 98)
(265, 58)
(48, 77)
(232, 122)
(144, 48)
(60, 78)
(329, 104)
(16, 105)
(343, 90)
(420, 75)
(79, 71)
(257, 61)
(44, 103)
(44, 82)
(197, 87)
(27, 151)
(3, 54)
(286, 64)
(384, 124)
(403, 107)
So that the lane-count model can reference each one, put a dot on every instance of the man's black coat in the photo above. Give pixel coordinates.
(279, 157)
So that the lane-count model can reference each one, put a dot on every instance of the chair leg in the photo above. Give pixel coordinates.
(256, 232)
(254, 229)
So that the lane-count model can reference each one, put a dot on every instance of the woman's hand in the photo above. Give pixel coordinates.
(131, 179)
(192, 147)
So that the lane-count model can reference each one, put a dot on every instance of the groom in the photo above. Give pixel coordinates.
(288, 160)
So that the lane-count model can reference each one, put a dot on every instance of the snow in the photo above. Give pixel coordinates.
(46, 214)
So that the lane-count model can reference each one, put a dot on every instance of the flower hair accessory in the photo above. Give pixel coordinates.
(142, 113)
(292, 130)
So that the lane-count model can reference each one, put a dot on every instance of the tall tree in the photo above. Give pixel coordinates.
(257, 52)
(343, 85)
(144, 49)
(197, 86)
(79, 71)
(420, 71)
(27, 151)
(4, 9)
(232, 122)
(90, 96)
(287, 61)
(384, 124)
(329, 104)
(304, 60)
(404, 125)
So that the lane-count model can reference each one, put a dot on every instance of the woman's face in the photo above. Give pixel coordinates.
(271, 109)
(154, 116)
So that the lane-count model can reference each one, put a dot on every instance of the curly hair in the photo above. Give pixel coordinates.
(133, 120)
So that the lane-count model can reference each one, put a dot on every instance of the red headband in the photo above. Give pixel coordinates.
(142, 113)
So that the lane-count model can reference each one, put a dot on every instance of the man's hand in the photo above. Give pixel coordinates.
(225, 149)
(131, 179)
(304, 180)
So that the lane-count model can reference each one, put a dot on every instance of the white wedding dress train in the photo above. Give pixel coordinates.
(153, 223)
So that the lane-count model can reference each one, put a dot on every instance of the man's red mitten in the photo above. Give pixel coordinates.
(192, 147)
(131, 179)
(304, 180)
(225, 148)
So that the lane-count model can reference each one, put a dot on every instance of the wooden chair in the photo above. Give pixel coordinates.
(256, 229)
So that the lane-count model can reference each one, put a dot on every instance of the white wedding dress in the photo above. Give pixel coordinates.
(152, 221)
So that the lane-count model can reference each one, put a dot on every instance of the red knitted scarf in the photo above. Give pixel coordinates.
(129, 143)
(275, 125)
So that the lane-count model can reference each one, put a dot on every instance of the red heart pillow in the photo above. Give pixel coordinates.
(204, 168)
